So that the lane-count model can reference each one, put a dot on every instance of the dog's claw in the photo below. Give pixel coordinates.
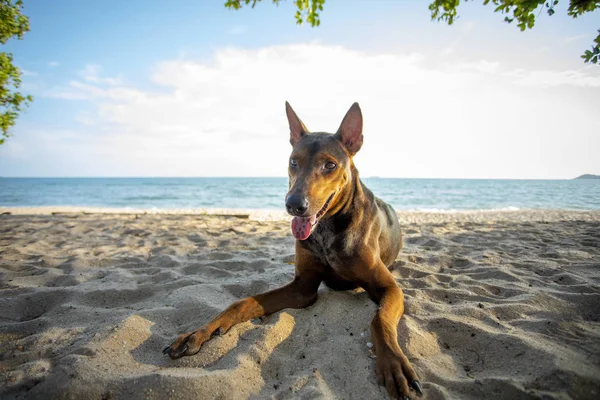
(175, 353)
(417, 386)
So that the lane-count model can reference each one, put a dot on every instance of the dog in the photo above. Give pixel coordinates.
(345, 237)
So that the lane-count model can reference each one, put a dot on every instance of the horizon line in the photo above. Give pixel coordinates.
(273, 177)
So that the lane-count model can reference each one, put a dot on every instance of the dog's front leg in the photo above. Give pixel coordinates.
(394, 370)
(299, 293)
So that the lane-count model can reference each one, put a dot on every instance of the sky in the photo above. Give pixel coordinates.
(190, 88)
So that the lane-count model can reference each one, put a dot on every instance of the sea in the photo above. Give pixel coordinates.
(442, 195)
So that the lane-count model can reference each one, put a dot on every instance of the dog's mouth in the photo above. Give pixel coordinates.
(302, 227)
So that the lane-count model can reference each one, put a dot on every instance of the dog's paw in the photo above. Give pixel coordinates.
(188, 344)
(395, 372)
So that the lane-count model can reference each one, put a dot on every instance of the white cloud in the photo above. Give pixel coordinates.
(481, 66)
(93, 86)
(53, 64)
(226, 117)
(586, 77)
(570, 39)
(447, 51)
(467, 27)
(14, 149)
(26, 72)
(65, 93)
(91, 74)
(543, 49)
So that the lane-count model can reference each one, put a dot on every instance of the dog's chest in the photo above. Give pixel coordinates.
(324, 243)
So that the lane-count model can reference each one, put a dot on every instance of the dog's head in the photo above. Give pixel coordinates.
(320, 166)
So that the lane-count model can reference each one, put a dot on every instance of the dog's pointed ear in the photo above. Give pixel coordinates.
(297, 128)
(350, 131)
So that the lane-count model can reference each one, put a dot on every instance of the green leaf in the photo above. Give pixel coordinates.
(524, 11)
(13, 24)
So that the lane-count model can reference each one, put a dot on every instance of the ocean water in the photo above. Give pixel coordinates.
(269, 193)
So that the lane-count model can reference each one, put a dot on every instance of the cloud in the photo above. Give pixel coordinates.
(467, 27)
(65, 93)
(26, 72)
(53, 64)
(583, 78)
(14, 149)
(481, 66)
(91, 74)
(93, 86)
(447, 51)
(570, 39)
(225, 117)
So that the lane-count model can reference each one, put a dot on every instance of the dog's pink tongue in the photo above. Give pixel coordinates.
(301, 227)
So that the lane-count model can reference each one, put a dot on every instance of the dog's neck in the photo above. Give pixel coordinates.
(351, 196)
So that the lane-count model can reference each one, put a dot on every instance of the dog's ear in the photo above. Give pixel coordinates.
(297, 128)
(350, 131)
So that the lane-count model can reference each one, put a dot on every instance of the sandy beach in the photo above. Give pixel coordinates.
(499, 305)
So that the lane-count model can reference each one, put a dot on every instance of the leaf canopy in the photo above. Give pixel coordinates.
(12, 24)
(524, 12)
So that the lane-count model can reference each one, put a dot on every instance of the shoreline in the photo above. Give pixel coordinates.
(405, 216)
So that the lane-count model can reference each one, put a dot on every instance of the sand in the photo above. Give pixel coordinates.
(499, 305)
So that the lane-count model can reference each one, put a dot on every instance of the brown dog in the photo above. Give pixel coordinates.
(346, 237)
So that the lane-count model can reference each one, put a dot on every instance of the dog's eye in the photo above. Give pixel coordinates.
(330, 165)
(293, 163)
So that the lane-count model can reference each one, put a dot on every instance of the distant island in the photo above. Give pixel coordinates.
(588, 176)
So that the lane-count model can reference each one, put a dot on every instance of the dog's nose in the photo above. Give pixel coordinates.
(296, 205)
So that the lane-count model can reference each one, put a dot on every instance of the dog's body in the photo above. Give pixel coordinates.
(346, 237)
